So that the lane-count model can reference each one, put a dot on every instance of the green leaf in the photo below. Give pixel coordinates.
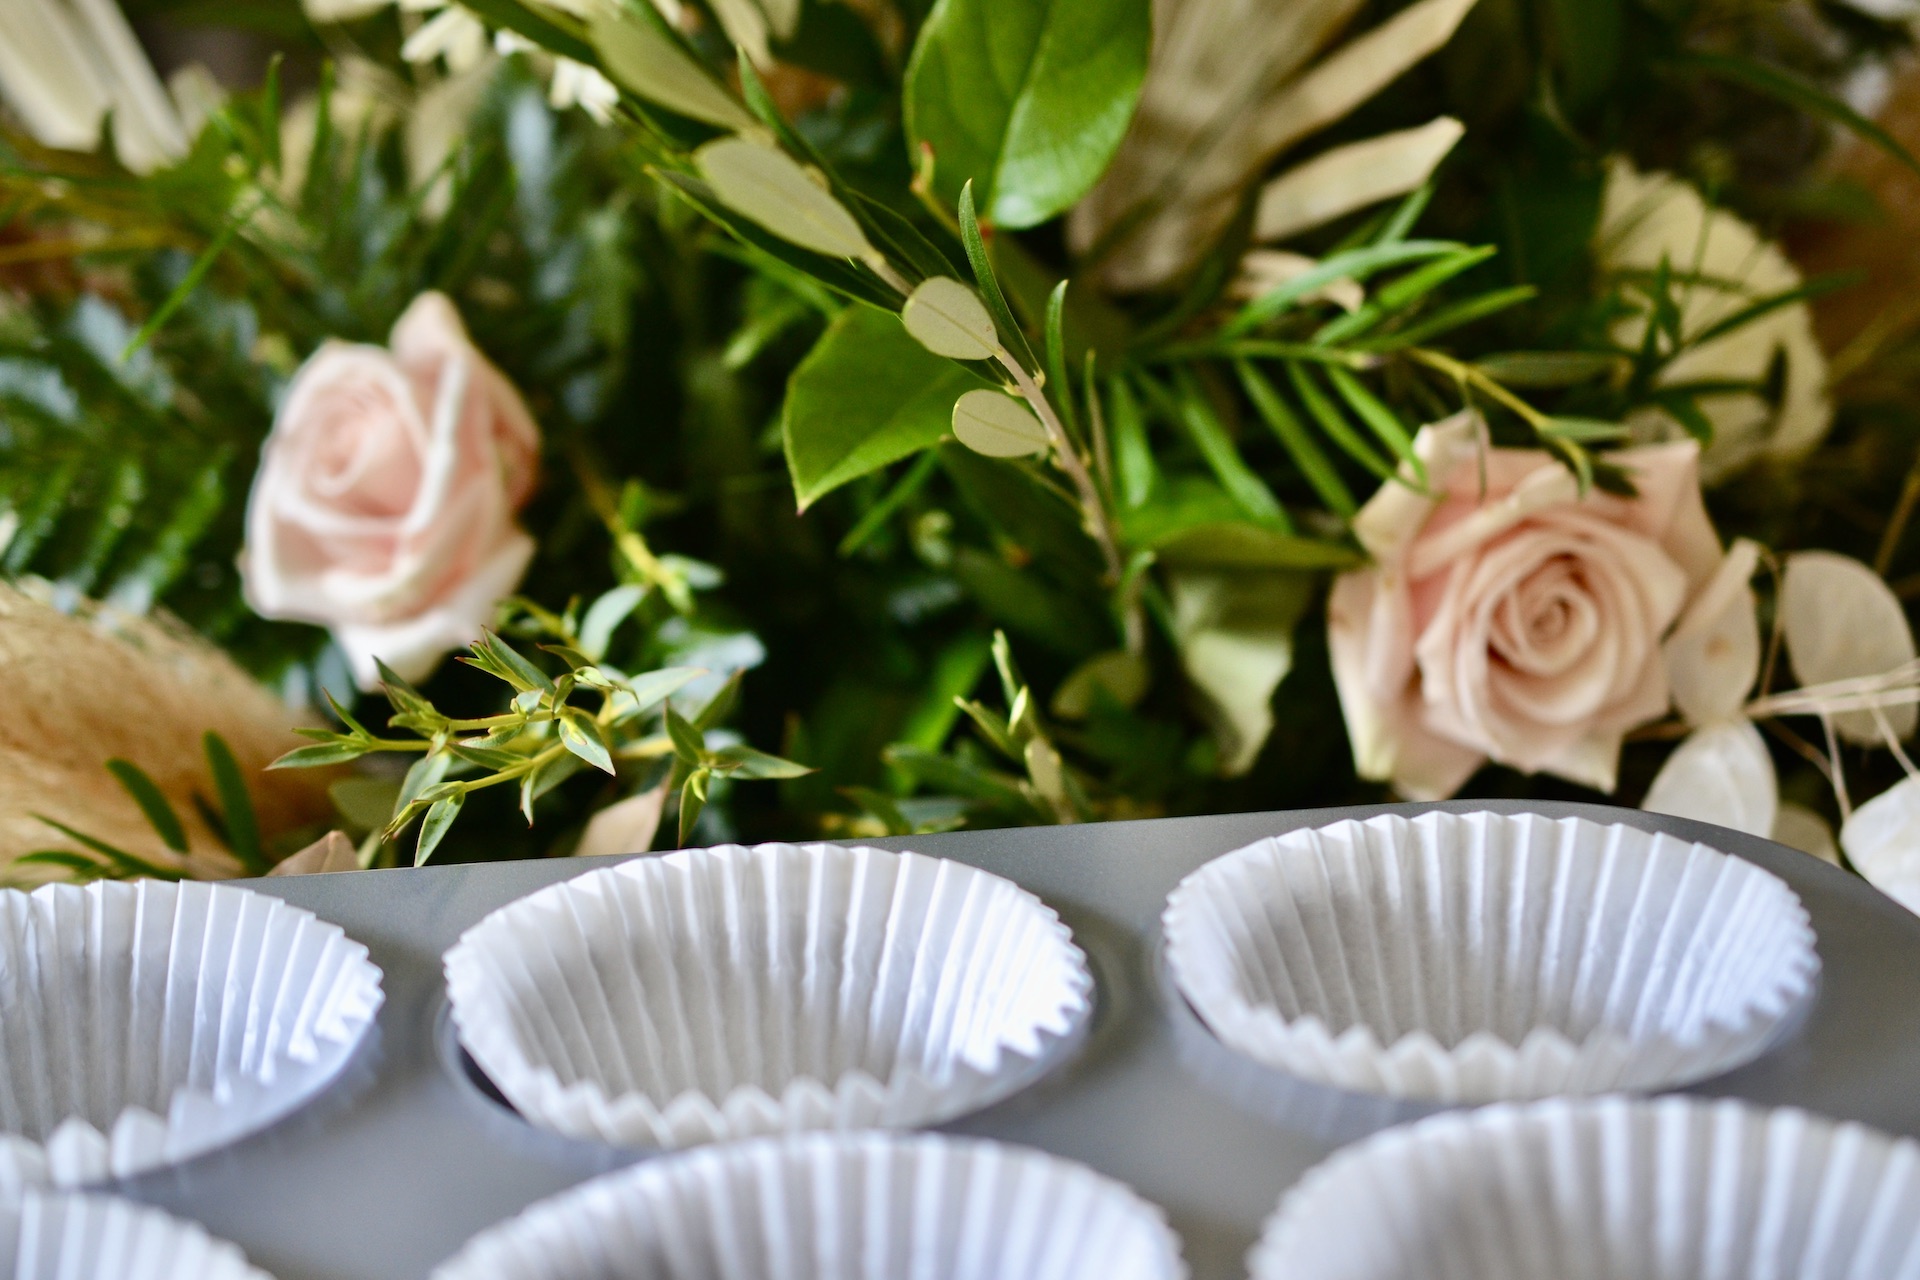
(402, 696)
(1585, 430)
(1333, 422)
(693, 798)
(520, 673)
(152, 802)
(1061, 391)
(1797, 93)
(1545, 369)
(745, 762)
(1012, 336)
(486, 757)
(689, 744)
(1135, 473)
(606, 614)
(424, 775)
(129, 865)
(1814, 288)
(1242, 545)
(236, 805)
(644, 57)
(434, 827)
(721, 704)
(1249, 492)
(581, 734)
(1382, 421)
(1029, 100)
(1401, 294)
(324, 754)
(647, 690)
(1356, 264)
(1298, 442)
(1451, 317)
(876, 516)
(984, 785)
(1235, 630)
(866, 396)
(533, 23)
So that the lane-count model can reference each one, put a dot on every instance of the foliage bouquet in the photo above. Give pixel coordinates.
(854, 417)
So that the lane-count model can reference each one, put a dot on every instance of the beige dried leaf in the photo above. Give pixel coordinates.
(1348, 178)
(1225, 96)
(1882, 840)
(769, 187)
(1841, 622)
(1720, 774)
(1713, 655)
(79, 690)
(331, 852)
(997, 425)
(626, 826)
(948, 319)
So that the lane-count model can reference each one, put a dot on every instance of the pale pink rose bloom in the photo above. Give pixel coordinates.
(1507, 618)
(384, 507)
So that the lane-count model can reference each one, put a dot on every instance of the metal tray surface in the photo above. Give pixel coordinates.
(392, 1169)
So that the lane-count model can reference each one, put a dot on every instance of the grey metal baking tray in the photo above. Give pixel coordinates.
(389, 1171)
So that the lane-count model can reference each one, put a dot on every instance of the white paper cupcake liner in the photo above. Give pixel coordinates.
(722, 993)
(143, 1023)
(835, 1207)
(1477, 957)
(57, 1235)
(1606, 1189)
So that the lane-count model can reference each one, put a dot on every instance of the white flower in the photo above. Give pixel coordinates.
(64, 64)
(575, 84)
(1720, 266)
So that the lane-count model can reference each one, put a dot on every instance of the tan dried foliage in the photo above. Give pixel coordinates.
(77, 690)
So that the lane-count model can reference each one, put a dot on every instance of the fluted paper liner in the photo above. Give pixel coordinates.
(1606, 1189)
(143, 1023)
(722, 993)
(835, 1207)
(61, 1235)
(1476, 957)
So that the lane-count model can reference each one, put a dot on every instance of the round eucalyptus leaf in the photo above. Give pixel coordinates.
(996, 424)
(768, 186)
(948, 319)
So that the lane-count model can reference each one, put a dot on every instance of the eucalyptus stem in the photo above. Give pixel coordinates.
(1092, 508)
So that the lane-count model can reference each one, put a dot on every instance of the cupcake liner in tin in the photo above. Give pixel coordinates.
(835, 1207)
(1606, 1189)
(722, 993)
(1477, 957)
(148, 1022)
(61, 1235)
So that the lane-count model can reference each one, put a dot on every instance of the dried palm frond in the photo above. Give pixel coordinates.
(78, 689)
(1233, 84)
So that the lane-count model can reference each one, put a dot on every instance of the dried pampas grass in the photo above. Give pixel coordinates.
(79, 689)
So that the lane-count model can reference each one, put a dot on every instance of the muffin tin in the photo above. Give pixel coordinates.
(410, 1153)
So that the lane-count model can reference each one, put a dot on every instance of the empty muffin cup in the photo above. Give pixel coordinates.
(1479, 956)
(835, 1207)
(1606, 1189)
(63, 1235)
(148, 1022)
(722, 993)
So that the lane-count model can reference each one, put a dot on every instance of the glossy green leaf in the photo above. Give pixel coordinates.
(581, 734)
(317, 756)
(434, 827)
(867, 395)
(1028, 100)
(1244, 545)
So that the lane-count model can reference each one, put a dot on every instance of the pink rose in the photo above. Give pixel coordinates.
(1509, 619)
(385, 501)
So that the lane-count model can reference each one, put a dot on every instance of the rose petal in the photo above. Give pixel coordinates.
(1799, 827)
(1713, 655)
(1721, 774)
(1842, 622)
(1882, 839)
